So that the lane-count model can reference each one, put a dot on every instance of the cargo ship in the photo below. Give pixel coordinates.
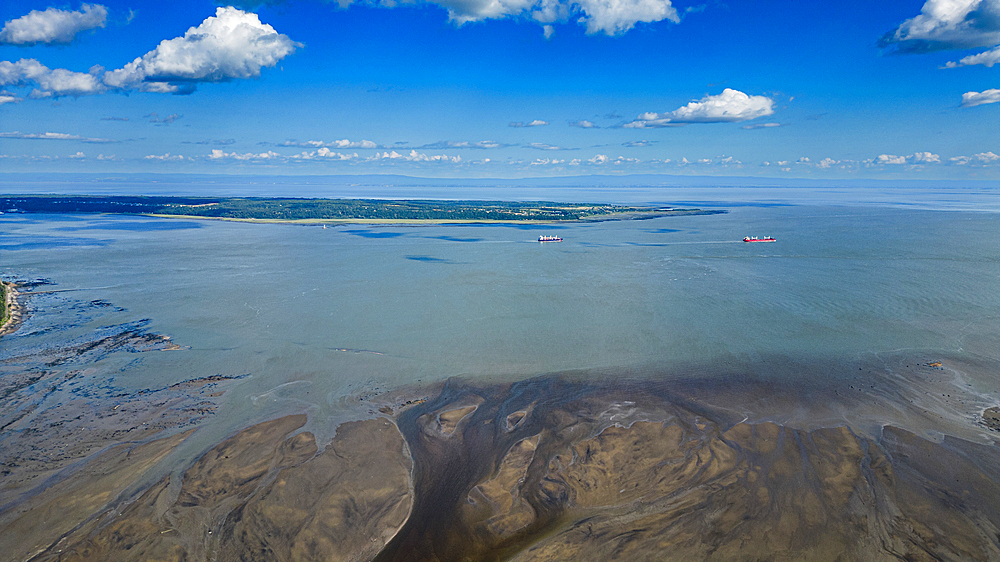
(549, 239)
(755, 239)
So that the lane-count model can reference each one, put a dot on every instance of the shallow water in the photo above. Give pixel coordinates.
(319, 318)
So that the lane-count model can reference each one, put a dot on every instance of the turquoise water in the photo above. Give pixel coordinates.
(316, 317)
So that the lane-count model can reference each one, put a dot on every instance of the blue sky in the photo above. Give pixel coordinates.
(503, 88)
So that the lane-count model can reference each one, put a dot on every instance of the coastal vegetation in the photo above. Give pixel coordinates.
(4, 313)
(333, 210)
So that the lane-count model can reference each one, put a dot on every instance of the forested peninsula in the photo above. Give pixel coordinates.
(335, 210)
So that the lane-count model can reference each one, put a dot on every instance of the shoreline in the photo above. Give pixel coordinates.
(628, 216)
(13, 307)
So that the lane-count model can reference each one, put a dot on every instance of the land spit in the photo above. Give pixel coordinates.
(543, 469)
(12, 311)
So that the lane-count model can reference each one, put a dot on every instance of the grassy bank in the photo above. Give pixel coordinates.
(4, 312)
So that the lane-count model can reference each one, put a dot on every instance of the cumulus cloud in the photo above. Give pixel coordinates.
(947, 24)
(535, 123)
(913, 159)
(53, 136)
(547, 162)
(325, 154)
(981, 159)
(972, 99)
(415, 156)
(339, 144)
(583, 124)
(50, 82)
(53, 25)
(603, 159)
(988, 59)
(728, 107)
(611, 17)
(618, 16)
(9, 97)
(232, 44)
(950, 24)
(637, 144)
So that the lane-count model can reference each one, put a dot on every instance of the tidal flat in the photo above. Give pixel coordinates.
(549, 468)
(643, 390)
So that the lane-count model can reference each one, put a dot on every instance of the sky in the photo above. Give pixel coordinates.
(503, 88)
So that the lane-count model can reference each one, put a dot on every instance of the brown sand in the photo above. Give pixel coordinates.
(589, 478)
(263, 494)
(539, 470)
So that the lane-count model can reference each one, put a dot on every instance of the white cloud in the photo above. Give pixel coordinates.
(486, 144)
(614, 17)
(987, 58)
(164, 157)
(535, 123)
(325, 154)
(890, 159)
(761, 126)
(8, 97)
(925, 158)
(599, 159)
(913, 159)
(415, 156)
(340, 144)
(611, 17)
(826, 163)
(57, 82)
(728, 107)
(546, 162)
(53, 25)
(543, 146)
(951, 24)
(972, 99)
(583, 124)
(53, 136)
(231, 44)
(218, 154)
(981, 159)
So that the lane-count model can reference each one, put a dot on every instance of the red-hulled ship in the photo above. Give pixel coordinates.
(549, 239)
(755, 239)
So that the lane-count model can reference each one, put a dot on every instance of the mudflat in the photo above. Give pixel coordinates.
(543, 469)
